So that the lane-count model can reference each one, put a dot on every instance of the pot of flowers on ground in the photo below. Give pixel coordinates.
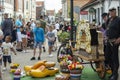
(65, 60)
(75, 70)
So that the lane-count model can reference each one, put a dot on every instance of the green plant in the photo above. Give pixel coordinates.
(63, 36)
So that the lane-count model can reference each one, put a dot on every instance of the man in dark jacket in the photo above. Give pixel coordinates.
(113, 41)
(7, 26)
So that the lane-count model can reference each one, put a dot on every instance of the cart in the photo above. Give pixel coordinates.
(95, 58)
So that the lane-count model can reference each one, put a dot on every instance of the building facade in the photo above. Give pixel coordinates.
(40, 9)
(6, 6)
(77, 5)
(95, 8)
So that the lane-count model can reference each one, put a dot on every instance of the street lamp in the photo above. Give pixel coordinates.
(31, 8)
(71, 15)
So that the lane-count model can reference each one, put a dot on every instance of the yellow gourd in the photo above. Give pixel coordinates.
(12, 70)
(46, 72)
(27, 68)
(49, 64)
(38, 64)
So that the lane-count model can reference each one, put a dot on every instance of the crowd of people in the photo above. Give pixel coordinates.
(18, 35)
(33, 34)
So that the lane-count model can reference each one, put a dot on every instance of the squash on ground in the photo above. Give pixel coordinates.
(27, 68)
(49, 64)
(46, 72)
(38, 64)
(41, 68)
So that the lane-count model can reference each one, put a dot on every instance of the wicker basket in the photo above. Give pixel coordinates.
(64, 69)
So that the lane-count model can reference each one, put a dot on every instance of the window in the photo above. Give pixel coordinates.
(26, 4)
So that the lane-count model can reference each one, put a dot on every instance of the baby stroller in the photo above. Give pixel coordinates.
(30, 39)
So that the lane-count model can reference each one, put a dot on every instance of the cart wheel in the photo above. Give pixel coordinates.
(92, 65)
(63, 46)
(100, 69)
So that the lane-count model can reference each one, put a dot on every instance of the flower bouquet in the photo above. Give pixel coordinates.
(65, 61)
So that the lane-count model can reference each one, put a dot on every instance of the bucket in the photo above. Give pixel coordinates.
(75, 74)
(16, 77)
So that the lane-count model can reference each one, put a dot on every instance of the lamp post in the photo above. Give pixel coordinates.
(71, 15)
(31, 9)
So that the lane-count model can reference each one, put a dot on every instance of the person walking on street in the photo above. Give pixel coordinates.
(38, 39)
(18, 24)
(57, 26)
(113, 41)
(43, 25)
(7, 26)
(51, 38)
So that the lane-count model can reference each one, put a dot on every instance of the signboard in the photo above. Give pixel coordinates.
(83, 12)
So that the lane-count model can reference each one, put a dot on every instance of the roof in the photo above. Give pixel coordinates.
(90, 3)
(50, 12)
(79, 3)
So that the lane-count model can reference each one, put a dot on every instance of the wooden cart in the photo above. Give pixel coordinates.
(95, 57)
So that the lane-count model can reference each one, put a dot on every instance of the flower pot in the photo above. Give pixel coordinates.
(75, 74)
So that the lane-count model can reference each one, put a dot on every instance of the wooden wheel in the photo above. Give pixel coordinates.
(100, 69)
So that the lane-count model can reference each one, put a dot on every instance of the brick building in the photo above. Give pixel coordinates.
(40, 9)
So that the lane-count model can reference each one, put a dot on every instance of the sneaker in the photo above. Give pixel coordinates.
(4, 69)
(39, 58)
(33, 58)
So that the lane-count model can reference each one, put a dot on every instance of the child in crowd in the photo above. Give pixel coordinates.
(7, 47)
(55, 43)
(24, 39)
(51, 38)
(38, 39)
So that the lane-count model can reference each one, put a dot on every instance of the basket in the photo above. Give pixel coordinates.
(64, 69)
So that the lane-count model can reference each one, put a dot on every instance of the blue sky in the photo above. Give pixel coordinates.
(52, 4)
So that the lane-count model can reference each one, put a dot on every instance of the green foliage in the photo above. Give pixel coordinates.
(63, 36)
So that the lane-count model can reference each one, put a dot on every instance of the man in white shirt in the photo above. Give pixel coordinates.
(57, 26)
(32, 24)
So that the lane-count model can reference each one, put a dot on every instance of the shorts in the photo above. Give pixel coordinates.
(19, 37)
(7, 58)
(50, 43)
(38, 44)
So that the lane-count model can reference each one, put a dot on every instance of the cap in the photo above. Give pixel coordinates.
(112, 9)
(104, 14)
